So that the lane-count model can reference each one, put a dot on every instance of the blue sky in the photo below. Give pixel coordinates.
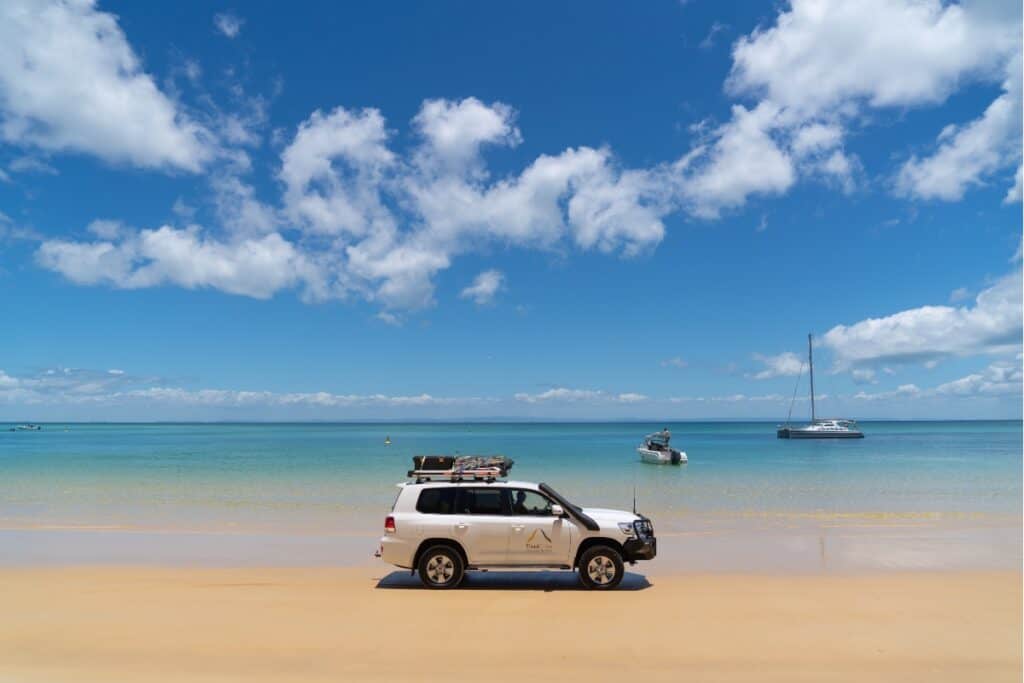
(551, 210)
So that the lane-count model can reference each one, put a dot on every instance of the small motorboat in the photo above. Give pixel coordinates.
(656, 450)
(27, 428)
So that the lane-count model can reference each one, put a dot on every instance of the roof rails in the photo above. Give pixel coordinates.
(459, 467)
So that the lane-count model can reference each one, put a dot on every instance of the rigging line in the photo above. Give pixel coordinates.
(797, 387)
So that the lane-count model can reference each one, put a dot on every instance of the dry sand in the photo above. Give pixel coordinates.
(137, 625)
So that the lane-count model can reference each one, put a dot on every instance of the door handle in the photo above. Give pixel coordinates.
(518, 527)
(461, 526)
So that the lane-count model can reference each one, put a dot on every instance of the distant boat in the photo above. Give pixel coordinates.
(656, 451)
(387, 440)
(819, 428)
(26, 428)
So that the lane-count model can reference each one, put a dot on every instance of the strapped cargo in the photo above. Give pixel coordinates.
(460, 467)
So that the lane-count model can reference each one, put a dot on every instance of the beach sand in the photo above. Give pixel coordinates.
(113, 624)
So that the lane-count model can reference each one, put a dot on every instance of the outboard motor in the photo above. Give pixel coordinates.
(676, 457)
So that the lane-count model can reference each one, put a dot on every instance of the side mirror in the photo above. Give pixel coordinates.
(557, 511)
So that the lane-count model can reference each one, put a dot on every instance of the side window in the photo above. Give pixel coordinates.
(526, 502)
(480, 501)
(437, 501)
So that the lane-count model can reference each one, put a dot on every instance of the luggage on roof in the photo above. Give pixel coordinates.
(459, 467)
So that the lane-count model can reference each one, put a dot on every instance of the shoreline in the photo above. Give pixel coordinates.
(155, 624)
(794, 549)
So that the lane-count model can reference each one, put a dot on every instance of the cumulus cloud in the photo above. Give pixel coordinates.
(968, 154)
(357, 217)
(485, 286)
(1002, 378)
(255, 267)
(863, 376)
(389, 318)
(902, 391)
(361, 216)
(228, 23)
(992, 324)
(786, 364)
(111, 387)
(70, 81)
(998, 379)
(743, 159)
(824, 64)
(1014, 193)
(574, 395)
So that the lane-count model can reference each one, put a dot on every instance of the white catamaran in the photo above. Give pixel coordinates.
(819, 428)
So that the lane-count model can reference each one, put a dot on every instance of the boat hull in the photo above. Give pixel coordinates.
(796, 433)
(672, 457)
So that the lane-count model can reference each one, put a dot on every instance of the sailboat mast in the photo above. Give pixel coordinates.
(810, 362)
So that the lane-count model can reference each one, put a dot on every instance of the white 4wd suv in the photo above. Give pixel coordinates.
(444, 528)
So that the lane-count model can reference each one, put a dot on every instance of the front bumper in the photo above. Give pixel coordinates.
(640, 549)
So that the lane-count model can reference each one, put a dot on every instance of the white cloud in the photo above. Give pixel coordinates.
(389, 319)
(343, 198)
(709, 40)
(31, 164)
(786, 364)
(816, 137)
(256, 267)
(1002, 378)
(454, 132)
(992, 324)
(959, 294)
(903, 391)
(106, 229)
(484, 287)
(743, 159)
(822, 55)
(967, 155)
(821, 66)
(863, 376)
(69, 81)
(575, 395)
(343, 181)
(560, 394)
(675, 362)
(239, 210)
(998, 379)
(1014, 193)
(228, 23)
(733, 398)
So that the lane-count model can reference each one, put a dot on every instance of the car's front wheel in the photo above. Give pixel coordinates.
(441, 566)
(601, 568)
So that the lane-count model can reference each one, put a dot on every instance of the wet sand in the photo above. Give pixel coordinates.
(111, 624)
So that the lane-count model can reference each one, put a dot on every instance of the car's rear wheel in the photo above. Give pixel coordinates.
(441, 566)
(601, 568)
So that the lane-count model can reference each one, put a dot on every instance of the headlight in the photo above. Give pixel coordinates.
(626, 528)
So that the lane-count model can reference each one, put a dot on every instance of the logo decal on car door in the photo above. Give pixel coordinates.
(541, 543)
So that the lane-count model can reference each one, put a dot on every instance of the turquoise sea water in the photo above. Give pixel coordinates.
(340, 477)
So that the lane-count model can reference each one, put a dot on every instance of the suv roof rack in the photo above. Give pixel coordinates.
(459, 467)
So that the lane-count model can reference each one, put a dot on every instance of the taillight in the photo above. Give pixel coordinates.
(389, 524)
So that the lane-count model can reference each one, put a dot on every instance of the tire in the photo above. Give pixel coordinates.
(441, 567)
(601, 568)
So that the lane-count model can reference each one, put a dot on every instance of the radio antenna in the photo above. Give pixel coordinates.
(634, 499)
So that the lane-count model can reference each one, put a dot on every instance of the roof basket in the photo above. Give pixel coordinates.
(459, 467)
